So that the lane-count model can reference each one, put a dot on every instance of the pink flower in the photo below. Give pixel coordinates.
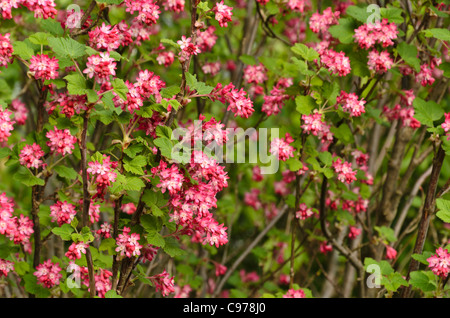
(30, 156)
(128, 208)
(220, 269)
(148, 12)
(76, 249)
(61, 141)
(380, 62)
(281, 148)
(149, 252)
(6, 49)
(298, 5)
(100, 67)
(128, 244)
(354, 232)
(367, 35)
(251, 199)
(404, 114)
(5, 267)
(48, 274)
(336, 63)
(165, 58)
(292, 293)
(62, 212)
(325, 247)
(174, 5)
(304, 212)
(105, 230)
(187, 47)
(6, 124)
(439, 263)
(351, 104)
(238, 103)
(255, 74)
(344, 171)
(319, 23)
(391, 253)
(43, 67)
(206, 39)
(446, 125)
(163, 283)
(20, 111)
(223, 13)
(102, 174)
(425, 76)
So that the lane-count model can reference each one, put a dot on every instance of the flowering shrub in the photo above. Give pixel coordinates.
(134, 153)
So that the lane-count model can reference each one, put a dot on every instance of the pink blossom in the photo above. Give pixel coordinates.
(252, 199)
(62, 212)
(20, 111)
(255, 74)
(6, 48)
(148, 11)
(43, 67)
(206, 39)
(439, 263)
(102, 174)
(237, 102)
(380, 62)
(76, 249)
(129, 208)
(149, 252)
(315, 125)
(48, 274)
(298, 5)
(351, 104)
(281, 148)
(174, 5)
(304, 212)
(446, 125)
(61, 141)
(6, 124)
(163, 283)
(165, 58)
(128, 244)
(391, 253)
(30, 156)
(344, 171)
(354, 232)
(425, 76)
(100, 67)
(5, 267)
(319, 23)
(187, 47)
(325, 247)
(105, 230)
(336, 63)
(223, 13)
(220, 269)
(293, 293)
(367, 35)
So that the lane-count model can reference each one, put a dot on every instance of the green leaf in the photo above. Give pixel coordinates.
(393, 282)
(155, 239)
(39, 38)
(151, 223)
(444, 210)
(52, 26)
(165, 146)
(385, 267)
(427, 111)
(120, 88)
(23, 50)
(26, 177)
(67, 47)
(135, 165)
(440, 34)
(392, 14)
(386, 232)
(359, 13)
(32, 287)
(66, 172)
(172, 247)
(307, 53)
(64, 232)
(422, 258)
(326, 158)
(133, 184)
(5, 152)
(305, 104)
(343, 31)
(446, 68)
(111, 293)
(294, 164)
(200, 87)
(343, 133)
(76, 84)
(109, 245)
(408, 53)
(421, 281)
(169, 92)
(330, 91)
(248, 59)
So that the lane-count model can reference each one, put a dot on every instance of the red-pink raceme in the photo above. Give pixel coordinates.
(380, 62)
(223, 13)
(256, 74)
(381, 32)
(446, 125)
(344, 170)
(354, 232)
(147, 10)
(281, 148)
(48, 274)
(320, 23)
(100, 67)
(76, 249)
(425, 76)
(6, 49)
(238, 103)
(43, 67)
(351, 104)
(30, 156)
(298, 5)
(6, 124)
(304, 212)
(439, 263)
(5, 267)
(128, 244)
(20, 111)
(163, 283)
(391, 253)
(102, 174)
(294, 293)
(335, 62)
(62, 212)
(61, 141)
(206, 39)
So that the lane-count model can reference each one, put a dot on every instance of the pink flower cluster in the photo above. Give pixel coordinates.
(76, 249)
(174, 5)
(187, 47)
(20, 111)
(223, 13)
(5, 267)
(30, 156)
(304, 212)
(425, 76)
(149, 252)
(334, 62)
(344, 171)
(42, 8)
(380, 62)
(69, 104)
(129, 208)
(439, 263)
(206, 39)
(319, 23)
(62, 212)
(100, 67)
(48, 274)
(61, 141)
(298, 5)
(382, 32)
(351, 104)
(102, 174)
(102, 279)
(6, 124)
(6, 49)
(110, 38)
(105, 230)
(128, 244)
(281, 148)
(294, 293)
(148, 11)
(17, 229)
(252, 199)
(354, 232)
(314, 124)
(43, 67)
(403, 111)
(256, 74)
(163, 283)
(446, 125)
(237, 102)
(274, 102)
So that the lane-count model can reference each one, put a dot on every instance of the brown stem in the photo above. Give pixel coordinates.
(427, 212)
